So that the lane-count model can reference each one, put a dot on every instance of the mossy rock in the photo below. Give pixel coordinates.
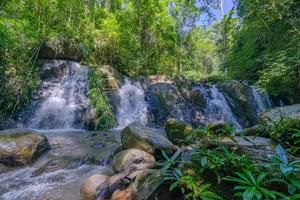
(138, 136)
(177, 131)
(21, 146)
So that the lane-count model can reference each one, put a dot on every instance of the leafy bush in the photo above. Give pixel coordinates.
(252, 187)
(104, 117)
(221, 161)
(199, 172)
(284, 171)
(202, 135)
(286, 132)
(191, 187)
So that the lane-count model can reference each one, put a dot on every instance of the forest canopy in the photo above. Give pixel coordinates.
(257, 41)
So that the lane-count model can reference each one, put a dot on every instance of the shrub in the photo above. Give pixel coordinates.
(286, 132)
(104, 117)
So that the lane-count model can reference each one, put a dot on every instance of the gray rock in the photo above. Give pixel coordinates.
(138, 136)
(88, 190)
(112, 78)
(21, 146)
(275, 114)
(127, 158)
(166, 101)
(242, 102)
(61, 48)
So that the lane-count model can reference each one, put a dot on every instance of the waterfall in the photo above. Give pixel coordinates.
(261, 100)
(217, 107)
(133, 106)
(62, 96)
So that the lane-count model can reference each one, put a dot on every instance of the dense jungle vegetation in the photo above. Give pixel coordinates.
(257, 41)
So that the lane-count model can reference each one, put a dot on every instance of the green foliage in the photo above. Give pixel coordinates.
(196, 170)
(137, 37)
(252, 187)
(18, 65)
(202, 135)
(266, 47)
(193, 189)
(221, 161)
(103, 117)
(286, 131)
(285, 171)
(188, 185)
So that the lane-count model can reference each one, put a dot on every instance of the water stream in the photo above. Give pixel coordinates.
(61, 101)
(262, 100)
(58, 110)
(217, 107)
(133, 106)
(59, 174)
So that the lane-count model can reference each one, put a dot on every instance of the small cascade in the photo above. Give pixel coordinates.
(133, 106)
(261, 98)
(62, 98)
(216, 106)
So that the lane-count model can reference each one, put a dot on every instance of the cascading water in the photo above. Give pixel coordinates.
(217, 107)
(133, 106)
(261, 98)
(62, 96)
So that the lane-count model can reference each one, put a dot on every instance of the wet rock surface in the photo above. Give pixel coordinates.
(242, 102)
(127, 158)
(21, 146)
(138, 136)
(275, 114)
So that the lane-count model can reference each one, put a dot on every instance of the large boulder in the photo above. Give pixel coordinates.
(164, 101)
(21, 146)
(61, 48)
(89, 191)
(112, 78)
(242, 102)
(138, 136)
(197, 98)
(177, 130)
(128, 158)
(275, 114)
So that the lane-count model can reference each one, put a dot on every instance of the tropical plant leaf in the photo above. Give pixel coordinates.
(281, 153)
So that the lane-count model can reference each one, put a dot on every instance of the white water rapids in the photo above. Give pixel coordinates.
(133, 106)
(62, 96)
